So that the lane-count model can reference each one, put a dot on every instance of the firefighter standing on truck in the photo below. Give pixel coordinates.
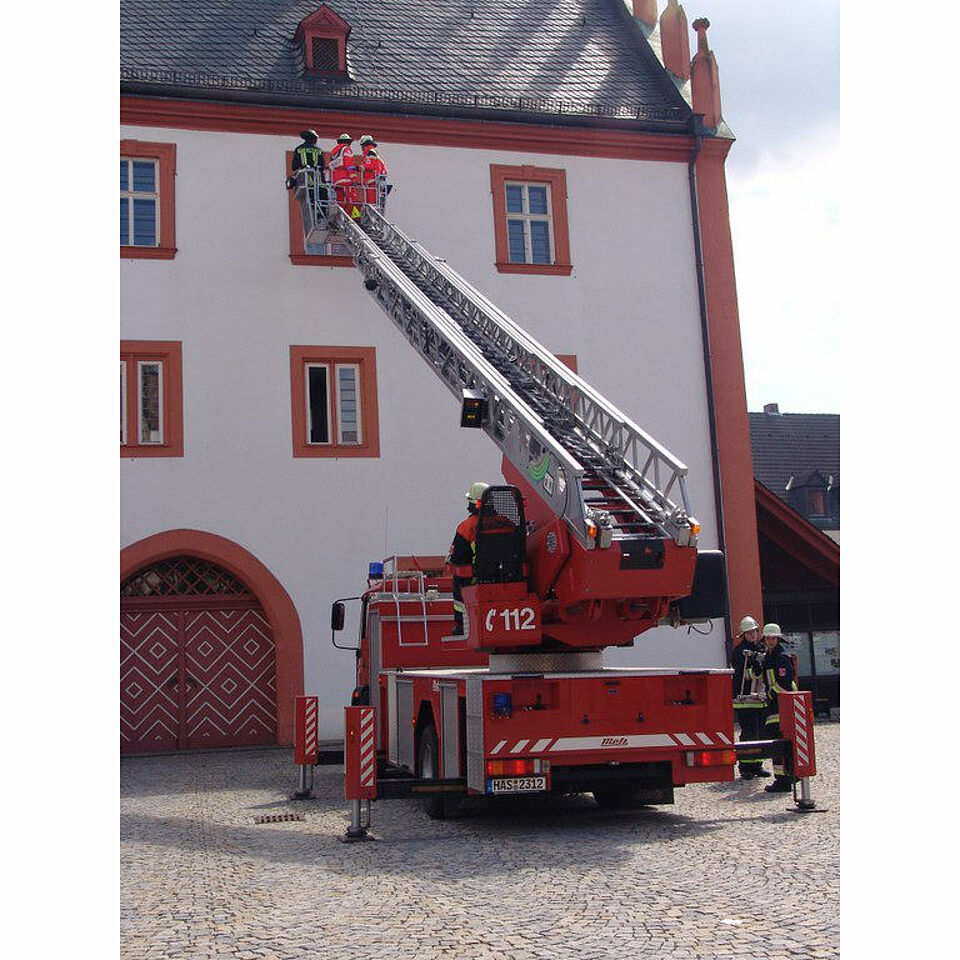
(748, 705)
(779, 673)
(463, 552)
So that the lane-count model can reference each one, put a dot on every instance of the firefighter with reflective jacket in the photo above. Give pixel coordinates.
(779, 673)
(343, 170)
(372, 168)
(463, 552)
(748, 698)
(308, 156)
(367, 143)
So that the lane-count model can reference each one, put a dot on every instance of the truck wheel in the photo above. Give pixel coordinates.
(428, 767)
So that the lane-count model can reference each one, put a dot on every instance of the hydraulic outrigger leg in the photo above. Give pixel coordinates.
(796, 751)
(360, 768)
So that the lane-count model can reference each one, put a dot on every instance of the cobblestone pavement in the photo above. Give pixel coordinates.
(726, 872)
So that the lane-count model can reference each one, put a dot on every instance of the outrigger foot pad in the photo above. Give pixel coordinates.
(355, 836)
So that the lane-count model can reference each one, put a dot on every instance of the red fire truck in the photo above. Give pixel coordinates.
(589, 543)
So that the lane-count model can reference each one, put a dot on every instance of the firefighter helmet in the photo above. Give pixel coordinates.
(772, 630)
(311, 136)
(747, 623)
(366, 138)
(476, 491)
(344, 138)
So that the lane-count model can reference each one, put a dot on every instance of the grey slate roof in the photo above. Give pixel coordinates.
(558, 57)
(794, 444)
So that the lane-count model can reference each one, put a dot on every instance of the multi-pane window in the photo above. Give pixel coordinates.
(529, 234)
(147, 200)
(335, 401)
(150, 401)
(139, 203)
(348, 403)
(151, 418)
(530, 220)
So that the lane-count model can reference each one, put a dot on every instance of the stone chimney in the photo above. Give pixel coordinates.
(772, 408)
(705, 78)
(646, 10)
(674, 41)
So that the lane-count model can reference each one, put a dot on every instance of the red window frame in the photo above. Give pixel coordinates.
(366, 359)
(298, 251)
(556, 181)
(169, 353)
(166, 156)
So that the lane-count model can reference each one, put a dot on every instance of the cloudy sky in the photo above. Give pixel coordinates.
(779, 63)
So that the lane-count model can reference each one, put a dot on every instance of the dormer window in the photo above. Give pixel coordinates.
(323, 36)
(814, 496)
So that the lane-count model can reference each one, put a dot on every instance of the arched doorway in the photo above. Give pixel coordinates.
(197, 660)
(273, 598)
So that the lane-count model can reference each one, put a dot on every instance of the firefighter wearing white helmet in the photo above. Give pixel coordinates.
(463, 552)
(779, 674)
(748, 698)
(476, 492)
(343, 169)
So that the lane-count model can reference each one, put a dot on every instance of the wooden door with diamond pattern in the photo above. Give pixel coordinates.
(230, 662)
(197, 661)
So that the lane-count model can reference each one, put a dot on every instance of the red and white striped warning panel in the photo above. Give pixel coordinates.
(305, 747)
(796, 722)
(613, 742)
(360, 753)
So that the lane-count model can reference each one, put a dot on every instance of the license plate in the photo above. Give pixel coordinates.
(517, 785)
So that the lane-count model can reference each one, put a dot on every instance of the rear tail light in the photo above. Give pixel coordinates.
(520, 767)
(711, 758)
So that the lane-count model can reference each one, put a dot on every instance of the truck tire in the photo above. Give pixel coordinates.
(428, 768)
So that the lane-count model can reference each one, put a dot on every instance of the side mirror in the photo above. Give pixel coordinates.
(337, 612)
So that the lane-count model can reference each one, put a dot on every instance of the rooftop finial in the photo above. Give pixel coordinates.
(701, 25)
(705, 78)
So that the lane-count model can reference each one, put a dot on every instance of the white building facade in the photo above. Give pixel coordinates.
(224, 315)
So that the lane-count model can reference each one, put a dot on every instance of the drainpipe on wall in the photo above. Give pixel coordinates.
(707, 356)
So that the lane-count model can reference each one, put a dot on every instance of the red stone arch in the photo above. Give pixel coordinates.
(275, 601)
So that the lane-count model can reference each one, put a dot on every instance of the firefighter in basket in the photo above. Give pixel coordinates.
(308, 156)
(748, 691)
(779, 674)
(373, 174)
(344, 174)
